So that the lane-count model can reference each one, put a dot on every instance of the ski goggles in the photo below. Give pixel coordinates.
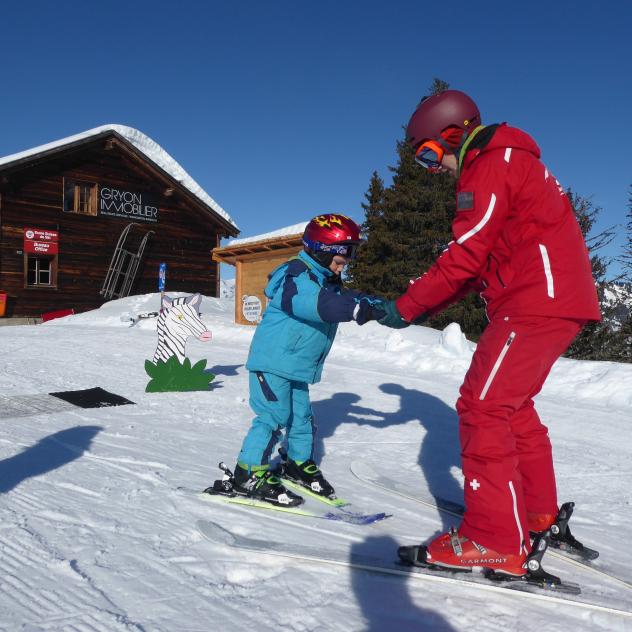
(429, 155)
(342, 249)
(349, 251)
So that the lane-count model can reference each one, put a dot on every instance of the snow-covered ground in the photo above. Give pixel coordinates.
(96, 532)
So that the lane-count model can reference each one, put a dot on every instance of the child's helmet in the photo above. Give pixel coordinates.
(329, 235)
(434, 114)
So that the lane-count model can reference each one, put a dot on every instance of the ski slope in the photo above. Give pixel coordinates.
(98, 517)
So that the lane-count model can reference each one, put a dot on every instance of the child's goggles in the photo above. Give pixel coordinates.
(344, 250)
(429, 155)
(348, 250)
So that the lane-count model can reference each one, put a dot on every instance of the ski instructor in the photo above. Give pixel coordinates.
(516, 240)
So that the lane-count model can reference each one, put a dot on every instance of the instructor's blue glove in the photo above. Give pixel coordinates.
(393, 318)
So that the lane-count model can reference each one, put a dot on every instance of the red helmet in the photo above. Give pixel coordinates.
(434, 114)
(333, 234)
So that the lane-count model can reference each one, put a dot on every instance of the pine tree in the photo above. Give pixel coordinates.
(626, 258)
(597, 340)
(407, 226)
(625, 332)
(364, 272)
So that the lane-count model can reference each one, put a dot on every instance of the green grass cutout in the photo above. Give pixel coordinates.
(173, 376)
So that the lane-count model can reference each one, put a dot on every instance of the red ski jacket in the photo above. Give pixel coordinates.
(516, 238)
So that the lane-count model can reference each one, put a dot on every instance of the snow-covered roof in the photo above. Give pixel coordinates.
(150, 148)
(295, 229)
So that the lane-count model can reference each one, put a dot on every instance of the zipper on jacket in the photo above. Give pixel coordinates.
(499, 361)
(550, 289)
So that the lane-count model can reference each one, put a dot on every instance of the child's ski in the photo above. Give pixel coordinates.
(305, 491)
(338, 516)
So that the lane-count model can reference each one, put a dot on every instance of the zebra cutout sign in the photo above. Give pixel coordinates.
(170, 369)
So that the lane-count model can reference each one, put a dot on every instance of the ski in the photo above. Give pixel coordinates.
(561, 550)
(220, 535)
(337, 516)
(305, 491)
(301, 488)
(223, 491)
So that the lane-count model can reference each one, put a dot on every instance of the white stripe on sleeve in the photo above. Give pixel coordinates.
(473, 231)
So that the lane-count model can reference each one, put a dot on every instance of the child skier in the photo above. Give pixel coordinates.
(306, 300)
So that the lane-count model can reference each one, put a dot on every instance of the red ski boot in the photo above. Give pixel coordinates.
(455, 551)
(539, 522)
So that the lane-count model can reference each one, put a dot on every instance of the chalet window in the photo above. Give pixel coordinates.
(41, 271)
(80, 197)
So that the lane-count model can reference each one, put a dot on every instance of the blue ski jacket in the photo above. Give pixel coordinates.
(305, 304)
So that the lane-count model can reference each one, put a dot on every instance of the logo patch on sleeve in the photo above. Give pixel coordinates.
(465, 201)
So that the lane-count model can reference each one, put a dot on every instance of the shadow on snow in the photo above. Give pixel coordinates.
(47, 454)
(439, 448)
(385, 601)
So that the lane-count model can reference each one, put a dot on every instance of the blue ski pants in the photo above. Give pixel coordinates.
(277, 403)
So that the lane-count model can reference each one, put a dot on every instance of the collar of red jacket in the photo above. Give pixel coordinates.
(486, 138)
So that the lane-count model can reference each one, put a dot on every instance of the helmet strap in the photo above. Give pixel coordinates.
(465, 143)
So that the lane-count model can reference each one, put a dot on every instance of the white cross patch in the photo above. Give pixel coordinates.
(474, 484)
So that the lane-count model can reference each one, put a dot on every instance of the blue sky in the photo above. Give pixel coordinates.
(282, 110)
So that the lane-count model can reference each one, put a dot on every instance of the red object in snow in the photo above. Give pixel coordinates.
(60, 313)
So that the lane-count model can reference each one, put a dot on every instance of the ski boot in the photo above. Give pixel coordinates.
(307, 474)
(260, 485)
(561, 536)
(455, 552)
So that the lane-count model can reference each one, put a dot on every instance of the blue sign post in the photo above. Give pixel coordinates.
(162, 277)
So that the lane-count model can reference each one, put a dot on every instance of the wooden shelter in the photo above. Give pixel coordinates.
(254, 258)
(93, 216)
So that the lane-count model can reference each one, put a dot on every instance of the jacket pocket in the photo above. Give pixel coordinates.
(268, 393)
(497, 277)
(293, 334)
(499, 361)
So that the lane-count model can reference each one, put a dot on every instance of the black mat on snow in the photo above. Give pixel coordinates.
(92, 398)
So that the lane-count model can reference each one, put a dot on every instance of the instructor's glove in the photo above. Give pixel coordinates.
(392, 318)
(368, 308)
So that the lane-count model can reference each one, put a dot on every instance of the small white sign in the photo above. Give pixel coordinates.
(251, 308)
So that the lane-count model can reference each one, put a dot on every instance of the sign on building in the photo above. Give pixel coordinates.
(43, 242)
(134, 205)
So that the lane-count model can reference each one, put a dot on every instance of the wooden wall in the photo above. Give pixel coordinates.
(252, 277)
(33, 197)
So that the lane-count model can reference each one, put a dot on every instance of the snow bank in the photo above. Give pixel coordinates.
(418, 349)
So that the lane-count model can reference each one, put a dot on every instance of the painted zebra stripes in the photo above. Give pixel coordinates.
(179, 318)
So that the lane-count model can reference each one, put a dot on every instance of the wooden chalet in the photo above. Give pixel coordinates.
(254, 258)
(92, 217)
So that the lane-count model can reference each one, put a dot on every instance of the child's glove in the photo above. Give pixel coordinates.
(392, 318)
(368, 308)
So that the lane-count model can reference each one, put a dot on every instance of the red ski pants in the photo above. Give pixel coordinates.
(505, 448)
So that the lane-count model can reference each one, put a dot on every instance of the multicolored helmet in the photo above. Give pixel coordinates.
(435, 114)
(332, 234)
